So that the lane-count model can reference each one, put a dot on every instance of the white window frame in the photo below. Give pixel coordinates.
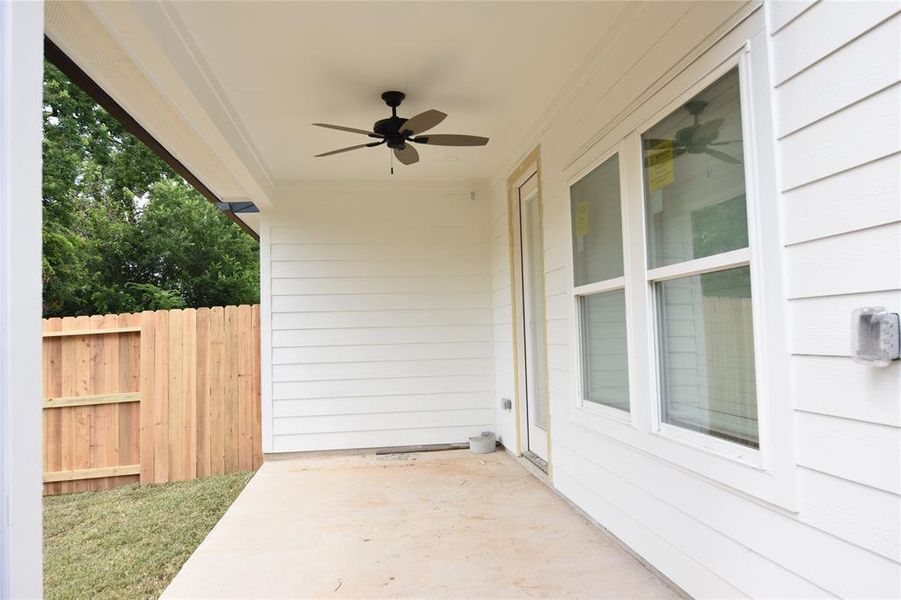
(742, 257)
(767, 473)
(613, 284)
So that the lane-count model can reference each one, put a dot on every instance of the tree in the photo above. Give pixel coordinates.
(122, 231)
(187, 248)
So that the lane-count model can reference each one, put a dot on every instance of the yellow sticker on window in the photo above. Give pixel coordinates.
(580, 218)
(660, 165)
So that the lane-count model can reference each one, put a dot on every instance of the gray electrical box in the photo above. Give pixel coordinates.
(875, 336)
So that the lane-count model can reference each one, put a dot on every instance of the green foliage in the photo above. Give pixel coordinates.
(122, 231)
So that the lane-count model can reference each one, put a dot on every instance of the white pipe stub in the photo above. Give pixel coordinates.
(483, 444)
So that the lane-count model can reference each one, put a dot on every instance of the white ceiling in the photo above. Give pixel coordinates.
(493, 67)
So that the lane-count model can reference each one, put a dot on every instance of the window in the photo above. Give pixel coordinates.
(597, 233)
(680, 342)
(698, 270)
(699, 265)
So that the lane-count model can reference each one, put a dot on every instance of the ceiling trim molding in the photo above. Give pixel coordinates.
(574, 85)
(214, 88)
(582, 77)
(80, 78)
(731, 22)
(89, 43)
(128, 46)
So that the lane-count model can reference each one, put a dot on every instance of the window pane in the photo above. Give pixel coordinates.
(605, 369)
(597, 226)
(695, 179)
(707, 354)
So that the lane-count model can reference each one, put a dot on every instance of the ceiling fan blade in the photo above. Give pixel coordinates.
(722, 156)
(348, 149)
(422, 122)
(407, 155)
(451, 139)
(349, 129)
(708, 130)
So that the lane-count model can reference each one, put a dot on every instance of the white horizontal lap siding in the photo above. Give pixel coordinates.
(835, 98)
(838, 123)
(643, 487)
(380, 352)
(502, 314)
(381, 320)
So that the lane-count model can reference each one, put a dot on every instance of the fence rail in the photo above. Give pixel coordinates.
(150, 397)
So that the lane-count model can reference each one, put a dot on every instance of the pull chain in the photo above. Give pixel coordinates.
(391, 154)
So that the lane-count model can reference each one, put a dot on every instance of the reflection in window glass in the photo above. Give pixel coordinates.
(695, 179)
(605, 369)
(597, 225)
(707, 354)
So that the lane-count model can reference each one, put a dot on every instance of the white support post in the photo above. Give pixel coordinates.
(21, 75)
(266, 331)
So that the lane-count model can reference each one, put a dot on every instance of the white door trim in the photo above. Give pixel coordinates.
(526, 170)
(537, 436)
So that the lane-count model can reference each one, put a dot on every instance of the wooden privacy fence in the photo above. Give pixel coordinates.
(150, 397)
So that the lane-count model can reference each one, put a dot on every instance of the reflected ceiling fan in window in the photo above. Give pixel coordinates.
(696, 138)
(397, 132)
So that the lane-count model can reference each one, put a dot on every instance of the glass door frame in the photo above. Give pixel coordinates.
(537, 446)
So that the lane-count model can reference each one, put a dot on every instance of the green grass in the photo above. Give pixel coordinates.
(131, 541)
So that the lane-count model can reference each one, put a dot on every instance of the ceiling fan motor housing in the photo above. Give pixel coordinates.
(390, 127)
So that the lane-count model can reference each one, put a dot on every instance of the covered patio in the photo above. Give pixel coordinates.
(643, 282)
(427, 524)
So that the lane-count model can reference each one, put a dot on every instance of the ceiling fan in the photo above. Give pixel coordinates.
(397, 132)
(697, 137)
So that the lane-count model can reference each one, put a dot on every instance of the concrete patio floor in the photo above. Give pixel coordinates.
(425, 525)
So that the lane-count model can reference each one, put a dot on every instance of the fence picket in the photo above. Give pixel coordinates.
(202, 405)
(161, 399)
(231, 389)
(245, 390)
(189, 398)
(104, 421)
(217, 390)
(130, 379)
(147, 386)
(176, 395)
(52, 356)
(82, 413)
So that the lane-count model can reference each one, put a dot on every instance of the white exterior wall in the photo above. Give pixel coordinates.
(502, 314)
(834, 98)
(380, 333)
